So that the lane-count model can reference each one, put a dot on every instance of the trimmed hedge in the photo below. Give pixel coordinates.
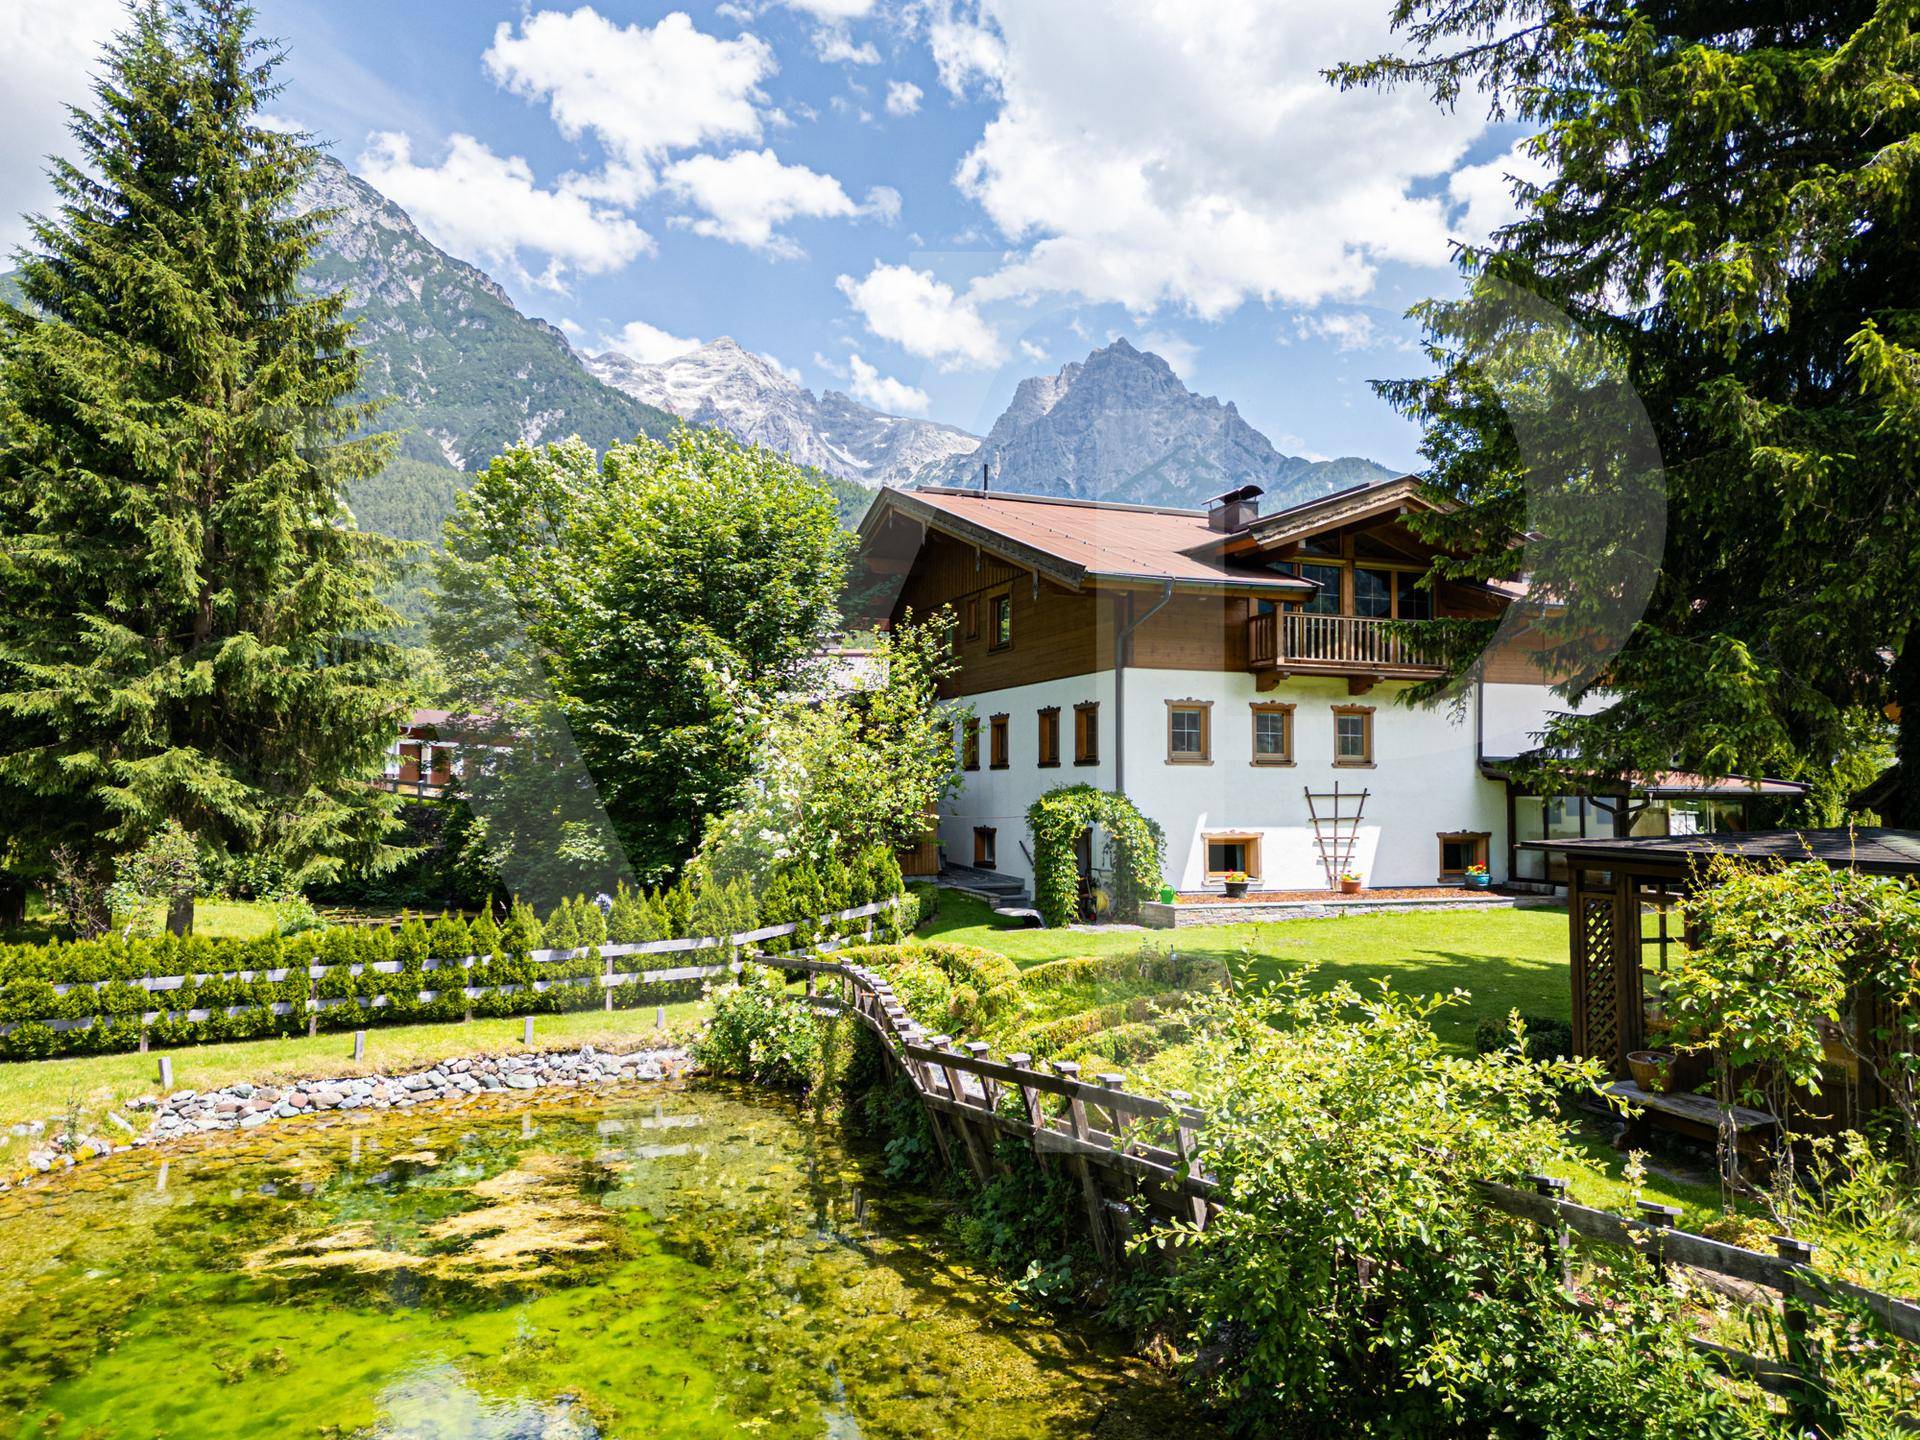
(498, 960)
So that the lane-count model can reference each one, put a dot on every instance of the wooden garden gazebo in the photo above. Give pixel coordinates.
(1620, 898)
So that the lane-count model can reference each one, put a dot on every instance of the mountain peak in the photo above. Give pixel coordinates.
(1121, 425)
(726, 385)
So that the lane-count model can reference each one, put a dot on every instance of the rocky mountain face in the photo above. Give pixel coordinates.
(468, 373)
(726, 385)
(1121, 426)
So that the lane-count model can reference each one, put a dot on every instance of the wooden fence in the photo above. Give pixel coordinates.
(608, 980)
(1130, 1151)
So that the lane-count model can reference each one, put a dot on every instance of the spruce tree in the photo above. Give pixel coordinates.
(1728, 211)
(188, 624)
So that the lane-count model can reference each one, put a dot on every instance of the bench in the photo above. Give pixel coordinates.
(1697, 1116)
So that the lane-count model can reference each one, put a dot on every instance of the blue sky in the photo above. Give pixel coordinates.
(922, 201)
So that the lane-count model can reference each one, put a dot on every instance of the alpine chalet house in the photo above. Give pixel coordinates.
(1234, 674)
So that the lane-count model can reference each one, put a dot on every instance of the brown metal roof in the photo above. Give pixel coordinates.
(1086, 539)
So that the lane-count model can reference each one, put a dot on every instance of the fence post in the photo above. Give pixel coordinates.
(359, 1045)
(1120, 1121)
(526, 1030)
(1089, 1187)
(1659, 1219)
(166, 1072)
(1559, 1237)
(1183, 1143)
(1803, 1407)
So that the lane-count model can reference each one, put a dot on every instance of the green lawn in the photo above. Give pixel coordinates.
(1506, 959)
(232, 919)
(95, 1084)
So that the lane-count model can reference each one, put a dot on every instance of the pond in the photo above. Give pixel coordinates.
(665, 1261)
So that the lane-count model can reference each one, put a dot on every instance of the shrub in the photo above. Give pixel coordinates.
(758, 1033)
(1547, 1036)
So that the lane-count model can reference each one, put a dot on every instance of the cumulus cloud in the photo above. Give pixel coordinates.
(648, 344)
(1345, 329)
(882, 204)
(1484, 193)
(922, 315)
(748, 194)
(836, 47)
(903, 97)
(642, 92)
(832, 10)
(883, 392)
(51, 48)
(1194, 157)
(487, 207)
(1178, 352)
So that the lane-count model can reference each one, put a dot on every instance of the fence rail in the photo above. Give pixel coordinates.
(1099, 1126)
(1298, 638)
(608, 980)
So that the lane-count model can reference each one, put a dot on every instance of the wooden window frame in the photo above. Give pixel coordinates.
(986, 848)
(1480, 840)
(1248, 838)
(970, 613)
(1049, 737)
(994, 598)
(1087, 711)
(1365, 712)
(1205, 754)
(1285, 711)
(970, 743)
(998, 748)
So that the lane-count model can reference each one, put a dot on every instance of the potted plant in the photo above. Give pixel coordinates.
(1350, 884)
(1652, 1070)
(1236, 884)
(1477, 877)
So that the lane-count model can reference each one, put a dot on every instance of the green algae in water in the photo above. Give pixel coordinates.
(662, 1263)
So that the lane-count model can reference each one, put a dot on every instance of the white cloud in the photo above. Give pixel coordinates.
(747, 194)
(1032, 351)
(648, 344)
(882, 204)
(51, 48)
(1484, 193)
(836, 47)
(792, 372)
(903, 97)
(1194, 157)
(883, 392)
(486, 207)
(1346, 329)
(923, 316)
(832, 10)
(641, 92)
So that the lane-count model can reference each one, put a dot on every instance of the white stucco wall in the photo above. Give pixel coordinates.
(1425, 779)
(999, 798)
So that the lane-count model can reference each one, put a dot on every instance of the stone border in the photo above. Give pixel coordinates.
(1156, 915)
(246, 1106)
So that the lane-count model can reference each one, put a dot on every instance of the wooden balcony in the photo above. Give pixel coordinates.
(1362, 650)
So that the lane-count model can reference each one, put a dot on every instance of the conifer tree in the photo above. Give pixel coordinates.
(188, 625)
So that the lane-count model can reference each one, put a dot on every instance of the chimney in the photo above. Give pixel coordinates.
(985, 478)
(1234, 510)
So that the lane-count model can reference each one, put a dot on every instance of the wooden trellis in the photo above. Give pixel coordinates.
(1336, 833)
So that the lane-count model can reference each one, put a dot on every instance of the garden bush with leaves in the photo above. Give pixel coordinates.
(760, 1033)
(1136, 850)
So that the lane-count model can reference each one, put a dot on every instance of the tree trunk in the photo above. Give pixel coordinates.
(180, 916)
(1903, 806)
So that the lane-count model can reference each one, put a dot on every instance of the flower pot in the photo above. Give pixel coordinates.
(1652, 1070)
(1237, 889)
(1350, 887)
(1479, 882)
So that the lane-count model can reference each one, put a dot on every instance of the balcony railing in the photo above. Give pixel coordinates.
(1295, 639)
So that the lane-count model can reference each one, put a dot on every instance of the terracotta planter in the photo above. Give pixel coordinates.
(1351, 887)
(1652, 1070)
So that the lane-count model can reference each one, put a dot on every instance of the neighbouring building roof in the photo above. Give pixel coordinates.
(1883, 852)
(1075, 541)
(1667, 784)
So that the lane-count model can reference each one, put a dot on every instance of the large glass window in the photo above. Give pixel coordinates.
(1372, 593)
(1529, 823)
(1415, 603)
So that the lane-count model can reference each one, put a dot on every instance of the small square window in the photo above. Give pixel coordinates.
(1273, 734)
(1353, 735)
(1461, 851)
(1235, 855)
(1187, 737)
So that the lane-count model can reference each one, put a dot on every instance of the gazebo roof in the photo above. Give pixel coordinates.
(1877, 851)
